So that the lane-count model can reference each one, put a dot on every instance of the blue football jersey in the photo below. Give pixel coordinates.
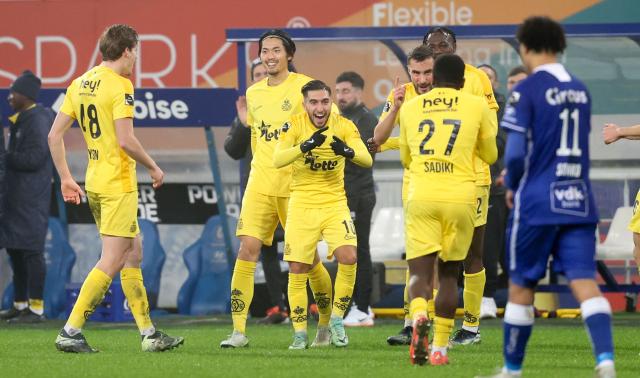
(551, 109)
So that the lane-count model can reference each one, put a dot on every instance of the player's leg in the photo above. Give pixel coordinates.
(94, 287)
(634, 226)
(636, 249)
(132, 282)
(474, 275)
(457, 221)
(493, 245)
(576, 255)
(528, 250)
(302, 232)
(256, 225)
(420, 290)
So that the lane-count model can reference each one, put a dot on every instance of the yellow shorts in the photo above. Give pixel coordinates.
(259, 216)
(115, 214)
(308, 225)
(482, 205)
(442, 227)
(634, 224)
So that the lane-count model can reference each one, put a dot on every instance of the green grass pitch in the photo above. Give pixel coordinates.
(558, 348)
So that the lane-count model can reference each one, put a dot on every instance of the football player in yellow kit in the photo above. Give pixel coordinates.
(270, 103)
(316, 144)
(101, 100)
(443, 41)
(420, 68)
(441, 133)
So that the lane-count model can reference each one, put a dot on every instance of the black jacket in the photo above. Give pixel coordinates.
(501, 141)
(28, 179)
(359, 180)
(237, 144)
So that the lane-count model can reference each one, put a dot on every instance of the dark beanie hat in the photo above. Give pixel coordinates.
(27, 84)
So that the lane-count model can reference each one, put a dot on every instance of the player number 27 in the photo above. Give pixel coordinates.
(564, 149)
(432, 128)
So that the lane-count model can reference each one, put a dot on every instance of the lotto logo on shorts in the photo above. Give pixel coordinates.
(133, 227)
(240, 224)
(287, 249)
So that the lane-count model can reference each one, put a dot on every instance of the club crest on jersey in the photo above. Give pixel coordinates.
(268, 135)
(128, 99)
(316, 165)
(286, 105)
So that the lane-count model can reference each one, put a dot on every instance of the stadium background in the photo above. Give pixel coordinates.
(183, 45)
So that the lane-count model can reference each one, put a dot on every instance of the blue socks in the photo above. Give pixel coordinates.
(518, 323)
(596, 313)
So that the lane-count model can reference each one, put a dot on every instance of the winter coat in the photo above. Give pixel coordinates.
(28, 180)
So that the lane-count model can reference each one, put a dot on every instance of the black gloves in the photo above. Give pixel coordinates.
(316, 140)
(340, 148)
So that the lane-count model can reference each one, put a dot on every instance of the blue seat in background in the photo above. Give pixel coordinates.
(153, 258)
(208, 285)
(59, 259)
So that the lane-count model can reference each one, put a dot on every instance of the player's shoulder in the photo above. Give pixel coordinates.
(473, 72)
(302, 79)
(257, 86)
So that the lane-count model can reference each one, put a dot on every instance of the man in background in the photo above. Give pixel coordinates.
(28, 184)
(361, 196)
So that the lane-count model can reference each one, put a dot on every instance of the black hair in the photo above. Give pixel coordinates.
(495, 73)
(517, 70)
(420, 54)
(542, 34)
(255, 63)
(289, 45)
(449, 69)
(315, 85)
(352, 77)
(439, 29)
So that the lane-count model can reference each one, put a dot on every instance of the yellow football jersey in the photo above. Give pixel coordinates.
(268, 108)
(439, 134)
(392, 143)
(477, 83)
(318, 175)
(96, 99)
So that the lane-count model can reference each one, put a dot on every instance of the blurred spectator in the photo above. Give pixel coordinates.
(361, 196)
(497, 215)
(237, 144)
(516, 75)
(28, 182)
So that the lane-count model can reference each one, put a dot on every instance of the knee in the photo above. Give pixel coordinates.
(348, 257)
(249, 250)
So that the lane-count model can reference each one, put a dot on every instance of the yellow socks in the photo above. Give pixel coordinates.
(298, 301)
(345, 280)
(320, 283)
(93, 289)
(134, 290)
(443, 328)
(418, 308)
(241, 293)
(36, 306)
(407, 316)
(472, 296)
(431, 305)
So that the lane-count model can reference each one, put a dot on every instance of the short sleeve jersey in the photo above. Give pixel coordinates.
(440, 130)
(552, 108)
(477, 83)
(96, 100)
(268, 108)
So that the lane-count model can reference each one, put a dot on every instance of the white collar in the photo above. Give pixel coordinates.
(555, 69)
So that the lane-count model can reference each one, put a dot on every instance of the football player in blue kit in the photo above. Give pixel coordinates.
(548, 119)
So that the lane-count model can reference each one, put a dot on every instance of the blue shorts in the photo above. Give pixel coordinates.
(573, 248)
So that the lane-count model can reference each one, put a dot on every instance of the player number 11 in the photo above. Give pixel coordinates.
(564, 149)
